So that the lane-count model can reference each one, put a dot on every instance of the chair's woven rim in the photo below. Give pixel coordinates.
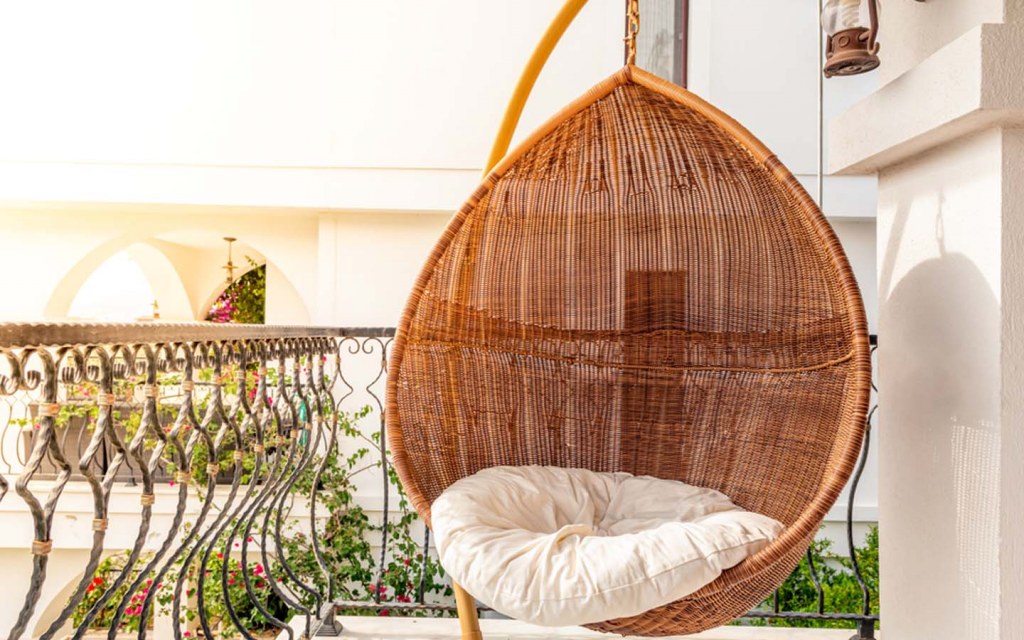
(806, 525)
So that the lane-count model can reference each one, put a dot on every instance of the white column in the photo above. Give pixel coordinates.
(940, 135)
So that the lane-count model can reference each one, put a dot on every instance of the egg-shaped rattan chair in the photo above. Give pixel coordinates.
(641, 286)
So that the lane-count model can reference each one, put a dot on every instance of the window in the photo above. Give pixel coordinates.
(661, 46)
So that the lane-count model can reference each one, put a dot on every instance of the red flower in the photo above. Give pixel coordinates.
(385, 612)
(91, 588)
(220, 556)
(97, 580)
(231, 581)
(407, 561)
(187, 634)
(258, 570)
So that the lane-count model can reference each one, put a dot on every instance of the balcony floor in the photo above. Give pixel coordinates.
(365, 628)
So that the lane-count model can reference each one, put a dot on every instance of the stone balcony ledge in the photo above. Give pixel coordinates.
(962, 88)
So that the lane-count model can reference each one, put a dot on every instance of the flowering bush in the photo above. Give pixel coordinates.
(245, 300)
(103, 579)
(344, 539)
(213, 601)
(345, 536)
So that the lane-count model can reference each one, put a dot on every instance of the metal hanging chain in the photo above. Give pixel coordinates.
(632, 30)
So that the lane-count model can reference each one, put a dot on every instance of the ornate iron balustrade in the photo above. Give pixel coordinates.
(246, 431)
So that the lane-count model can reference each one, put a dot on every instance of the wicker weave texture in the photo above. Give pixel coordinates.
(641, 287)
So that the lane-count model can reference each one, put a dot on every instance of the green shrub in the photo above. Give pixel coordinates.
(840, 590)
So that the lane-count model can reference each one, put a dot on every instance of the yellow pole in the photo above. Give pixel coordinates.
(540, 55)
(468, 621)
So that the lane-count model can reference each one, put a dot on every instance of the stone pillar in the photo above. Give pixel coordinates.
(941, 135)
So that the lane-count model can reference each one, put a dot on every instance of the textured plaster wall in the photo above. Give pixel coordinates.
(911, 31)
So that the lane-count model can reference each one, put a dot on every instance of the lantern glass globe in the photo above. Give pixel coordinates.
(842, 15)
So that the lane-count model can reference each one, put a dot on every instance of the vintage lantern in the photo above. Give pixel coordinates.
(852, 29)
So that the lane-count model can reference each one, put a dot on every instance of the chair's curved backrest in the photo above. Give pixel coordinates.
(640, 287)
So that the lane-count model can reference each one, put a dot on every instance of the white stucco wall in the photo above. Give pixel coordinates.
(259, 110)
(940, 279)
(913, 31)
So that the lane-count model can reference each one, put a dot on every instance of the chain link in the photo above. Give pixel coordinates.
(632, 30)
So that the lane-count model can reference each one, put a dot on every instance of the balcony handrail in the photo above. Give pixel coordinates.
(70, 333)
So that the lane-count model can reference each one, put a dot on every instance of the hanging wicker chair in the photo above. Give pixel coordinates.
(641, 286)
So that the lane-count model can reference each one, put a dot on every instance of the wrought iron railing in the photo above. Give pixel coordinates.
(262, 443)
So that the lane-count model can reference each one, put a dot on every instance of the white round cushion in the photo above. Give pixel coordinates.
(559, 547)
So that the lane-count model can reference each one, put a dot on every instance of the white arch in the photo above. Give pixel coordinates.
(172, 272)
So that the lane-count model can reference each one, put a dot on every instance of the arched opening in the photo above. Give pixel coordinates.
(136, 283)
(185, 275)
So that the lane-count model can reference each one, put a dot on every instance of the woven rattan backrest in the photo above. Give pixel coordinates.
(641, 287)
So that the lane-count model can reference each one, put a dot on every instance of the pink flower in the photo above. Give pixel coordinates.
(258, 570)
(232, 581)
(187, 634)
